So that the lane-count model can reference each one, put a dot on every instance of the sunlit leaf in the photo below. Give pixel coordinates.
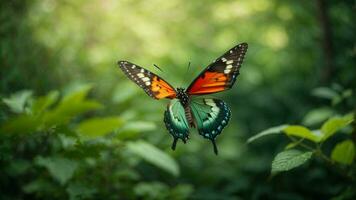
(270, 131)
(154, 156)
(42, 103)
(139, 126)
(331, 126)
(97, 127)
(303, 132)
(316, 116)
(61, 169)
(344, 152)
(16, 102)
(70, 106)
(289, 159)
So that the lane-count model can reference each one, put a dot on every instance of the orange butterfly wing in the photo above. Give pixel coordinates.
(221, 74)
(152, 84)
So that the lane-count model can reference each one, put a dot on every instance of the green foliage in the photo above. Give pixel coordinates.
(155, 156)
(269, 131)
(61, 169)
(344, 152)
(98, 127)
(289, 159)
(303, 132)
(335, 124)
(72, 147)
(16, 102)
(49, 48)
(317, 116)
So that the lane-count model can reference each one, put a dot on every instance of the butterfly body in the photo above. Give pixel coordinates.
(185, 110)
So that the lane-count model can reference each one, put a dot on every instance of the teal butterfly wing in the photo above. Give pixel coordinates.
(176, 122)
(211, 116)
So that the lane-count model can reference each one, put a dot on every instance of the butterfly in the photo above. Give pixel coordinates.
(185, 110)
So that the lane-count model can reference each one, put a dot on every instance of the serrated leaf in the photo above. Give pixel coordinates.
(270, 131)
(344, 152)
(289, 159)
(97, 127)
(16, 102)
(61, 169)
(154, 156)
(331, 126)
(317, 116)
(303, 132)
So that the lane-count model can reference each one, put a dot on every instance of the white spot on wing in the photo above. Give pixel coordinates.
(229, 62)
(145, 79)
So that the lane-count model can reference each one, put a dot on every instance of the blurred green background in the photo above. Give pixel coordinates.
(74, 127)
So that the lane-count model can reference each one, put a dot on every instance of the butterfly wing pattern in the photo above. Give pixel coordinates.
(208, 115)
(152, 84)
(211, 116)
(221, 74)
(176, 122)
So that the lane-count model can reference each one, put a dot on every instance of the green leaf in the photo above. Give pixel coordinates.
(17, 101)
(97, 127)
(61, 169)
(139, 126)
(70, 106)
(303, 132)
(80, 191)
(334, 124)
(154, 190)
(270, 131)
(324, 92)
(344, 152)
(293, 144)
(42, 103)
(22, 124)
(154, 156)
(317, 116)
(289, 159)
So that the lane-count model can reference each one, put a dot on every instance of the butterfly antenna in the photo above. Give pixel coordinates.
(158, 67)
